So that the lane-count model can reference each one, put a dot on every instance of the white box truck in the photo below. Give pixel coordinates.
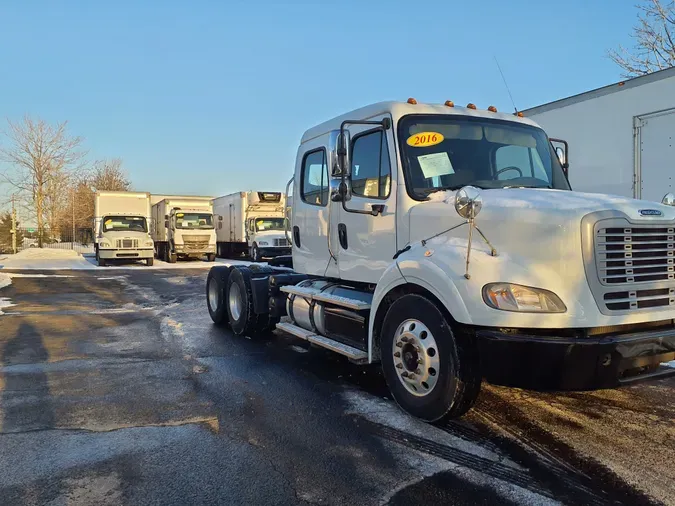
(121, 221)
(445, 243)
(183, 228)
(621, 137)
(251, 223)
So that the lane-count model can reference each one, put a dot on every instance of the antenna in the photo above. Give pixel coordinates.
(507, 86)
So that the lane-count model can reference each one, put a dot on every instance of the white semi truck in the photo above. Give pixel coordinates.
(446, 243)
(121, 231)
(183, 228)
(251, 223)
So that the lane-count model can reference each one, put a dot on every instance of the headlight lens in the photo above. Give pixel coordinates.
(525, 299)
(104, 244)
(149, 243)
(263, 243)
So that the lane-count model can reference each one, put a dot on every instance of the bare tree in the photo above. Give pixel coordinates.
(654, 40)
(42, 157)
(109, 175)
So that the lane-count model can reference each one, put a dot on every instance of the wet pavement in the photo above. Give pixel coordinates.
(115, 388)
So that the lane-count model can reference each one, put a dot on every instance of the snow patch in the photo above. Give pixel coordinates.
(669, 364)
(5, 280)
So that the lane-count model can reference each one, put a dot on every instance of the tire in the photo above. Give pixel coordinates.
(172, 257)
(150, 262)
(255, 253)
(239, 302)
(451, 376)
(101, 262)
(211, 257)
(216, 283)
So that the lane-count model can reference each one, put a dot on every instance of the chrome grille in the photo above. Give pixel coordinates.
(635, 265)
(127, 243)
(195, 243)
(280, 242)
(635, 255)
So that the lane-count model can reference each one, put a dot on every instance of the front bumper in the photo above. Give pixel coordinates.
(568, 363)
(126, 254)
(183, 250)
(272, 252)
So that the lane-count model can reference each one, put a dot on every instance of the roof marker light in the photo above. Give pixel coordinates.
(449, 103)
(471, 106)
(492, 108)
(412, 101)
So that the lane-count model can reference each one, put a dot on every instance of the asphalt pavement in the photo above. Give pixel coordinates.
(115, 388)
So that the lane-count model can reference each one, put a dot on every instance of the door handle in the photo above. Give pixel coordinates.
(296, 235)
(342, 235)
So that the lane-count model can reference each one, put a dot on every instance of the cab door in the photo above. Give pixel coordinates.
(311, 208)
(367, 243)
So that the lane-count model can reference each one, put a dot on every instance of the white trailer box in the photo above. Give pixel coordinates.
(121, 226)
(183, 227)
(251, 223)
(620, 136)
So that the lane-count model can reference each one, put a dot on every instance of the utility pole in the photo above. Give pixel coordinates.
(13, 231)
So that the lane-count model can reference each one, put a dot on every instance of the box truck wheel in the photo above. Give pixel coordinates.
(243, 319)
(150, 262)
(432, 374)
(211, 257)
(216, 285)
(255, 253)
(172, 257)
(101, 261)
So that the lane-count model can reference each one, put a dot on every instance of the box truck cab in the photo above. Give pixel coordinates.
(121, 227)
(252, 223)
(184, 228)
(445, 242)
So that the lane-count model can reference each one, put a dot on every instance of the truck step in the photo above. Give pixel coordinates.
(314, 294)
(354, 354)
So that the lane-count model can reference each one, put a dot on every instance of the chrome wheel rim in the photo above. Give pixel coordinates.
(235, 302)
(416, 358)
(213, 296)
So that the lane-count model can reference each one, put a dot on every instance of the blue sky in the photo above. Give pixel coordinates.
(210, 97)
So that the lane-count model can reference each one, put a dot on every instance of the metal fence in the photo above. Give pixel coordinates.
(82, 242)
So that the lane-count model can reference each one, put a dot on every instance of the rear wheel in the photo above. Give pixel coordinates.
(243, 319)
(216, 284)
(432, 373)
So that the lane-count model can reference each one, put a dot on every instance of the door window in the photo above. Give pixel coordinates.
(371, 171)
(314, 182)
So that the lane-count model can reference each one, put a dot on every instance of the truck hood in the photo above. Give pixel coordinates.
(519, 212)
(125, 234)
(543, 238)
(269, 235)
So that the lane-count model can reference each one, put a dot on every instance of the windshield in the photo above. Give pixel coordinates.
(125, 223)
(194, 220)
(448, 152)
(262, 224)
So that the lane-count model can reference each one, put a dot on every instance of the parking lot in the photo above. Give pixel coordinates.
(115, 388)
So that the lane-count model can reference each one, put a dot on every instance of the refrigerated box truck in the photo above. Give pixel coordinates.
(621, 137)
(251, 223)
(121, 227)
(183, 228)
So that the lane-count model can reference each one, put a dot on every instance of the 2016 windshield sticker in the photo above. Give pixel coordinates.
(424, 139)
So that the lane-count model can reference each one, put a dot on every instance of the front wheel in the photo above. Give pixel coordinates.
(431, 373)
(172, 257)
(150, 261)
(255, 253)
(211, 257)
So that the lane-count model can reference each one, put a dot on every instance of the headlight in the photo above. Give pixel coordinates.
(149, 243)
(104, 244)
(263, 243)
(525, 299)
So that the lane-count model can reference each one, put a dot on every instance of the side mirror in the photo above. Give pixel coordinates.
(166, 223)
(166, 216)
(562, 152)
(343, 150)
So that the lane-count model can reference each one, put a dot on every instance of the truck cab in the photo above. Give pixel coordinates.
(267, 237)
(184, 228)
(446, 243)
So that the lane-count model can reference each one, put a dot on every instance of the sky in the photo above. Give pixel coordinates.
(208, 97)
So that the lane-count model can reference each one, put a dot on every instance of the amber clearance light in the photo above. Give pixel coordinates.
(470, 106)
(412, 101)
(492, 108)
(449, 103)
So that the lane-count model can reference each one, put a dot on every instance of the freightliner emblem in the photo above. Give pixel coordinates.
(650, 212)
